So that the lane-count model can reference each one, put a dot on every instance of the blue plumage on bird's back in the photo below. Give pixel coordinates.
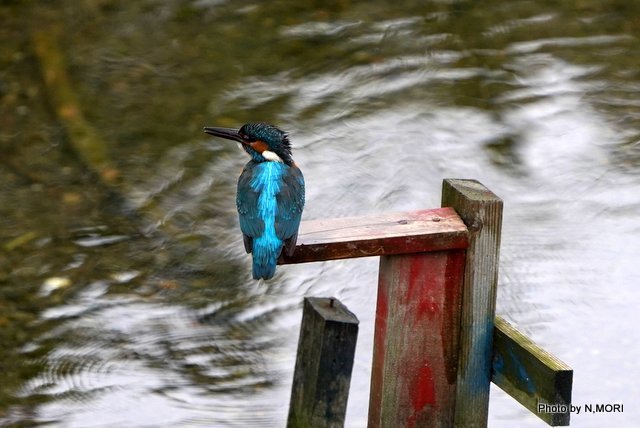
(266, 181)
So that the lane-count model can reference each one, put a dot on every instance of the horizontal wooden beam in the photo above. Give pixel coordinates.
(378, 235)
(538, 380)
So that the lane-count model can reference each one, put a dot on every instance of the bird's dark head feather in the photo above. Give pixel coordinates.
(259, 139)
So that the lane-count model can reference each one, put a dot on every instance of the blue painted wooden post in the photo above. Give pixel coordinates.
(481, 211)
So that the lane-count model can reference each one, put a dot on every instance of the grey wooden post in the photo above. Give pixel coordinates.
(481, 211)
(323, 364)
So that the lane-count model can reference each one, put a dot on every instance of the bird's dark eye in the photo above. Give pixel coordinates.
(247, 138)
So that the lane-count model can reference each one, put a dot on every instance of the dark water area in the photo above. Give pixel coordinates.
(126, 297)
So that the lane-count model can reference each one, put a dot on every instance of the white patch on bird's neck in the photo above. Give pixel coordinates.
(271, 156)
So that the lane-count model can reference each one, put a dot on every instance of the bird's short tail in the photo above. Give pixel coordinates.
(264, 271)
(265, 257)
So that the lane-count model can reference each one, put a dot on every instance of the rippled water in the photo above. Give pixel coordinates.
(125, 296)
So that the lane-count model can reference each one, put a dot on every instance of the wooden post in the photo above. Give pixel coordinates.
(538, 380)
(481, 211)
(323, 365)
(415, 354)
(434, 336)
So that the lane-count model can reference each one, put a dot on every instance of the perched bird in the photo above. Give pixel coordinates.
(270, 194)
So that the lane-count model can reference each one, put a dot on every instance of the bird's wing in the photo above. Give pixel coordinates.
(290, 201)
(247, 202)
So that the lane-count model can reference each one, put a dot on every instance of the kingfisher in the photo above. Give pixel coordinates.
(270, 195)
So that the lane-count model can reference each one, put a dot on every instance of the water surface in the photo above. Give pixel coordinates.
(126, 298)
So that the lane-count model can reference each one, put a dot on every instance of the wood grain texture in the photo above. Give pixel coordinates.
(378, 235)
(481, 211)
(530, 374)
(415, 355)
(324, 364)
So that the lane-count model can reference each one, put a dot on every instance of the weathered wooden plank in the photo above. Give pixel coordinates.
(531, 375)
(377, 235)
(415, 353)
(481, 211)
(323, 364)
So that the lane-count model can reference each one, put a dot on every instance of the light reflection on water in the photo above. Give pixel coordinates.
(157, 322)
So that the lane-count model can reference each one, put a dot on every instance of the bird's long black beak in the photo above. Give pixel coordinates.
(228, 133)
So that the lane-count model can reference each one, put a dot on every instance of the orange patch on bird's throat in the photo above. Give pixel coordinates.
(259, 146)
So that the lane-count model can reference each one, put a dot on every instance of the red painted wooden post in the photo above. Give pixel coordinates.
(415, 357)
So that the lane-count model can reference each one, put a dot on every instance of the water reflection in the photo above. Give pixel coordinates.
(126, 298)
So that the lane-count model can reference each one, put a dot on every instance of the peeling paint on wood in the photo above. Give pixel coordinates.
(416, 340)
